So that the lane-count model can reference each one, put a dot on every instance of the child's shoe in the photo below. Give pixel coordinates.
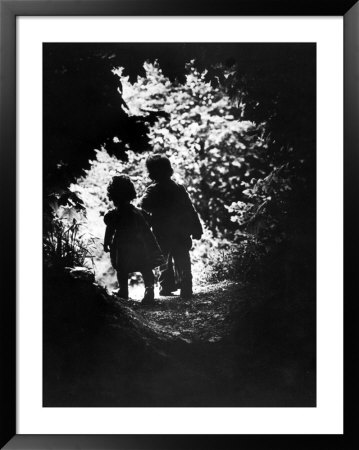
(149, 297)
(186, 293)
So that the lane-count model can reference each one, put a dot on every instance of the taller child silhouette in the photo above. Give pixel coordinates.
(174, 221)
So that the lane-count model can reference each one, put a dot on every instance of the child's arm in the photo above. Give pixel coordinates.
(148, 199)
(108, 238)
(195, 223)
(110, 230)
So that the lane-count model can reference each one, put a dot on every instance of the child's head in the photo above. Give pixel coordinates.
(121, 190)
(159, 167)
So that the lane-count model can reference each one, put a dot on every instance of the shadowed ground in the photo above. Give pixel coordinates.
(231, 345)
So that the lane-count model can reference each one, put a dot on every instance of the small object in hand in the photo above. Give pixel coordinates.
(166, 293)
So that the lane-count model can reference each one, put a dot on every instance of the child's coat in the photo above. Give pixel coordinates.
(133, 245)
(173, 217)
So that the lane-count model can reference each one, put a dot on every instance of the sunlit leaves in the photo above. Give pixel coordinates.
(210, 148)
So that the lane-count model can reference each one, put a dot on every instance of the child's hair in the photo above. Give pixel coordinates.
(159, 167)
(121, 189)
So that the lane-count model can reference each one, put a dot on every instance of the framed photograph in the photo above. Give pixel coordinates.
(173, 201)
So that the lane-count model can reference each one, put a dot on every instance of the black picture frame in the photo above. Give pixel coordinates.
(9, 10)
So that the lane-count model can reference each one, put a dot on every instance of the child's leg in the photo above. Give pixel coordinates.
(149, 281)
(167, 276)
(148, 277)
(123, 284)
(182, 261)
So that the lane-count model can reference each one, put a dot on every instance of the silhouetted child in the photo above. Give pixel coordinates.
(173, 220)
(129, 239)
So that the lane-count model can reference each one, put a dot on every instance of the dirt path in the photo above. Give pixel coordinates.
(230, 345)
(203, 318)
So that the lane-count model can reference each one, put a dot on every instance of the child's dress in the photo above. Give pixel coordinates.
(133, 247)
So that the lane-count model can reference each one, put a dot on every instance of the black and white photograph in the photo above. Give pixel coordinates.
(179, 224)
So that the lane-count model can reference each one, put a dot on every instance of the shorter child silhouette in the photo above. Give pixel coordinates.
(129, 239)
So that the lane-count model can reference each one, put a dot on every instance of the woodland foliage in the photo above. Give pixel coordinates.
(244, 184)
